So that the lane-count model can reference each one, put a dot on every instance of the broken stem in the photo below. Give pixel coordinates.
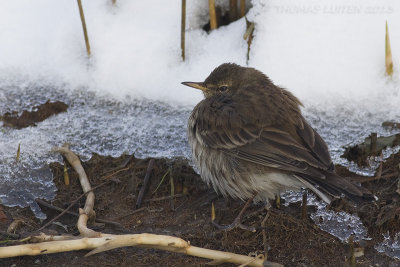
(85, 33)
(145, 182)
(213, 14)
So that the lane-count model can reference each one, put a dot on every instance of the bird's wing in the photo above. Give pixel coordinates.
(313, 141)
(276, 148)
(268, 146)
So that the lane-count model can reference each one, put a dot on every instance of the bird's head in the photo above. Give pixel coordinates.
(228, 79)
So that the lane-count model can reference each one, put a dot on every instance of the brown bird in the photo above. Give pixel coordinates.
(249, 138)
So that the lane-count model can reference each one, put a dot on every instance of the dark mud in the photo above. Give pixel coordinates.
(30, 118)
(290, 240)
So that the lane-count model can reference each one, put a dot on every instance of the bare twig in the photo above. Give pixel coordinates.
(379, 172)
(15, 236)
(145, 182)
(114, 173)
(304, 206)
(171, 180)
(133, 212)
(162, 179)
(374, 140)
(48, 238)
(65, 211)
(164, 198)
(265, 234)
(352, 256)
(261, 256)
(121, 167)
(44, 203)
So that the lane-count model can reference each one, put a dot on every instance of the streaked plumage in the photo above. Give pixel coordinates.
(248, 136)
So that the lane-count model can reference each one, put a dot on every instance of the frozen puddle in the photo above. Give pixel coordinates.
(90, 125)
(339, 224)
(342, 225)
(390, 246)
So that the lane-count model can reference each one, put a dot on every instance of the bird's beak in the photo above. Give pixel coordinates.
(199, 85)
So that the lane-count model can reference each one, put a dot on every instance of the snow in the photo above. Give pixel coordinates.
(324, 50)
(318, 50)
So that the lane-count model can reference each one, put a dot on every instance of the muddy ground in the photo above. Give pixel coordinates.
(290, 239)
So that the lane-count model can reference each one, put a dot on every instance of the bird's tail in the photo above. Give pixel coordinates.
(335, 186)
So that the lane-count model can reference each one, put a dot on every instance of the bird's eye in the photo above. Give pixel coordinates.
(223, 88)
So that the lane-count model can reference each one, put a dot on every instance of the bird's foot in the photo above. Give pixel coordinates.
(236, 223)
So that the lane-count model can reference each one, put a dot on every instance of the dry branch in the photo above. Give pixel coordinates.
(145, 183)
(89, 204)
(101, 244)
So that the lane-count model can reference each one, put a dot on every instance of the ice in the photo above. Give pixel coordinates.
(92, 124)
(340, 224)
(390, 246)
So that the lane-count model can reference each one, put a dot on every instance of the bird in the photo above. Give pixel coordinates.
(249, 139)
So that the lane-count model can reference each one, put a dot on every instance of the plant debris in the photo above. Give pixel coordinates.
(289, 239)
(30, 118)
(391, 124)
(372, 146)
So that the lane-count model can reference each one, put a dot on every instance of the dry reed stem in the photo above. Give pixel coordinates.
(388, 53)
(85, 33)
(18, 153)
(183, 27)
(213, 14)
(233, 11)
(242, 8)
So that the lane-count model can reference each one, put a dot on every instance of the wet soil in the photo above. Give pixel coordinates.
(290, 240)
(31, 117)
